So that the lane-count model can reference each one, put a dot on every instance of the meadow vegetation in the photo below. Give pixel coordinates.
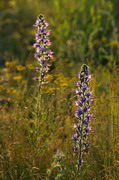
(81, 32)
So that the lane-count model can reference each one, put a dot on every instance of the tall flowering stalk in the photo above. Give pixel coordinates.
(83, 115)
(43, 54)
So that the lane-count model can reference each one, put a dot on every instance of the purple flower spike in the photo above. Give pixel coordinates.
(82, 114)
(43, 54)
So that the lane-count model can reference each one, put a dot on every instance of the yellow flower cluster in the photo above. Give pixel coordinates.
(13, 78)
(20, 68)
(46, 89)
(11, 90)
(62, 81)
(17, 77)
(11, 64)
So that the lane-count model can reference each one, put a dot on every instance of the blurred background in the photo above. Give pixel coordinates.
(82, 31)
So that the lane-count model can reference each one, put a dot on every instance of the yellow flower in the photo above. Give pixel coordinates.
(47, 89)
(11, 90)
(1, 87)
(20, 68)
(10, 64)
(29, 66)
(17, 77)
(49, 77)
(61, 80)
(7, 63)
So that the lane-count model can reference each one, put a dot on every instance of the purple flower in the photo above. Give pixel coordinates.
(43, 54)
(47, 33)
(82, 99)
(82, 114)
(80, 75)
(86, 72)
(36, 45)
(82, 80)
(37, 69)
(80, 161)
(78, 92)
(78, 112)
(75, 137)
(43, 49)
(89, 78)
(78, 103)
(84, 88)
(86, 108)
(75, 148)
(77, 125)
(88, 129)
(42, 61)
(79, 83)
(36, 55)
(88, 93)
(89, 116)
(86, 121)
(85, 134)
(86, 146)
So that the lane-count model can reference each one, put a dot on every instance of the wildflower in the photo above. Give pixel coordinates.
(42, 54)
(10, 64)
(11, 90)
(17, 77)
(20, 68)
(83, 115)
(62, 81)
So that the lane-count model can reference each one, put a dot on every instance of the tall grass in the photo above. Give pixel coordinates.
(22, 159)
